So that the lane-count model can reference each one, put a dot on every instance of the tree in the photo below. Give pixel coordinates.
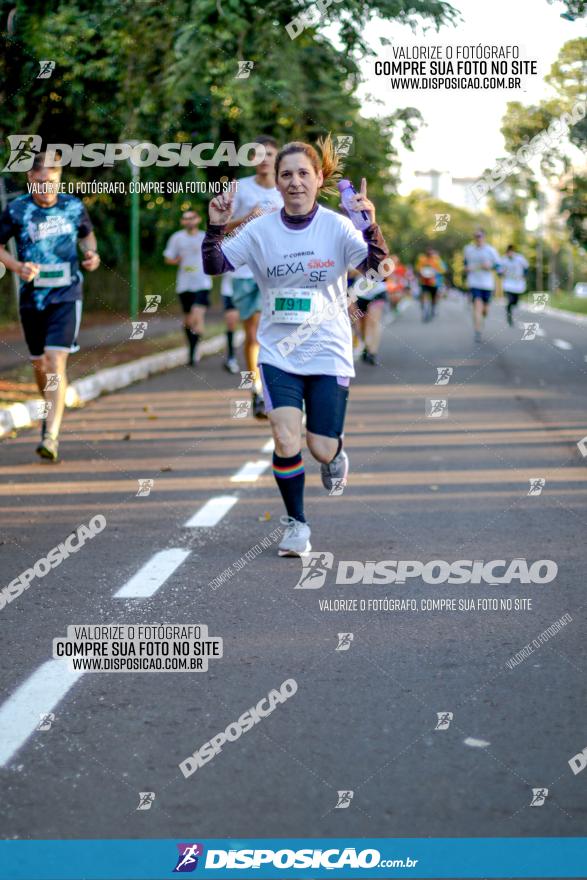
(167, 72)
(555, 160)
(574, 8)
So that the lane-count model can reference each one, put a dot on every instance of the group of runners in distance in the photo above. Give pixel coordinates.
(290, 268)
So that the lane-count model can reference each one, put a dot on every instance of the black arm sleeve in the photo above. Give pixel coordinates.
(378, 249)
(213, 259)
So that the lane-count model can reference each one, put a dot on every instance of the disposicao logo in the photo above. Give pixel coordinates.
(187, 860)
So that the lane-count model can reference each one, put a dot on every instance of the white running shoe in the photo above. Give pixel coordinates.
(296, 538)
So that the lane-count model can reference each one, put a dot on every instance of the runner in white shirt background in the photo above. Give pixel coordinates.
(184, 250)
(481, 261)
(231, 320)
(299, 257)
(255, 195)
(514, 269)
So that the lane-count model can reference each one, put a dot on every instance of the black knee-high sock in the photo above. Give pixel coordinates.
(230, 343)
(193, 339)
(289, 476)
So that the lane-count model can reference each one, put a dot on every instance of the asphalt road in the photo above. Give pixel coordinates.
(362, 719)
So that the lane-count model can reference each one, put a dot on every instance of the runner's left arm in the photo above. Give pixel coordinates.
(86, 239)
(377, 249)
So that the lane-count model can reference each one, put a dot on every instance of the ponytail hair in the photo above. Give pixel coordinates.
(328, 161)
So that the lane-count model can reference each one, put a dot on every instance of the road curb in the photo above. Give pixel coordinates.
(24, 415)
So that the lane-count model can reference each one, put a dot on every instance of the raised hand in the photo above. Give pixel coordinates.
(362, 203)
(220, 208)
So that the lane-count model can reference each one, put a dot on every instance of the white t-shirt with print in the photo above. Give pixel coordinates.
(249, 194)
(190, 273)
(315, 258)
(475, 256)
(514, 278)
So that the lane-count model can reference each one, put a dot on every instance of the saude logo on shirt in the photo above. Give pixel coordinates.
(316, 269)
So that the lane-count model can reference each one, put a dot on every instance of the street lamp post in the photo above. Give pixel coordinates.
(134, 243)
(540, 244)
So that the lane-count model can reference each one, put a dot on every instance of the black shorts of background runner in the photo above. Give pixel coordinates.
(191, 298)
(53, 328)
(431, 291)
(363, 304)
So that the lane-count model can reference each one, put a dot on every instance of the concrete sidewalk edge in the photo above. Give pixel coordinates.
(24, 415)
(563, 314)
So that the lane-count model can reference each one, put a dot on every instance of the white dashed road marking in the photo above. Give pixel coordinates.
(212, 512)
(476, 743)
(153, 574)
(250, 472)
(39, 694)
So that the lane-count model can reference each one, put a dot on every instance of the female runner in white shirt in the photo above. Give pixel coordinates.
(299, 257)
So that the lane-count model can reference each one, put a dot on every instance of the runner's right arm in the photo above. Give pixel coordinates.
(219, 211)
(26, 271)
(170, 255)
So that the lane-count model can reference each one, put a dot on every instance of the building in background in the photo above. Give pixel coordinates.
(454, 190)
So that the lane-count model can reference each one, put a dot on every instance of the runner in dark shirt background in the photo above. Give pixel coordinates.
(47, 227)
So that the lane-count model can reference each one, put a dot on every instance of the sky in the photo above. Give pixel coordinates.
(462, 134)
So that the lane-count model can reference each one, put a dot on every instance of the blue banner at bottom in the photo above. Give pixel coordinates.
(304, 858)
